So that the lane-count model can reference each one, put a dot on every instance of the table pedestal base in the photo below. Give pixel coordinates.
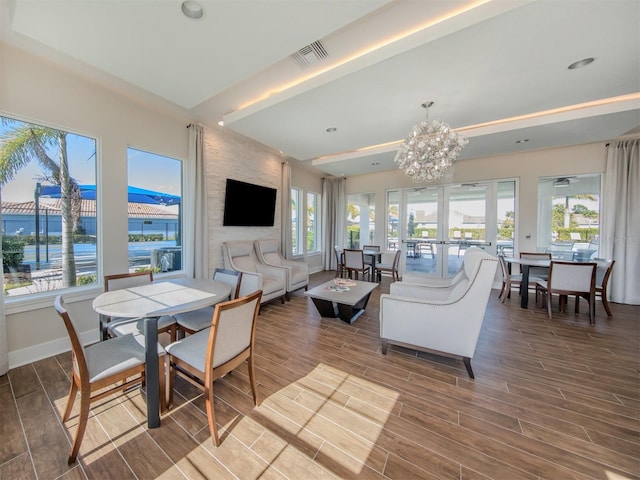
(347, 313)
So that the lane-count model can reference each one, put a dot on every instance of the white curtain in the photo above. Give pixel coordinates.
(4, 348)
(620, 229)
(334, 212)
(196, 251)
(285, 233)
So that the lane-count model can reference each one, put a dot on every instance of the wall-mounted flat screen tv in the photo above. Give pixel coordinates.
(248, 205)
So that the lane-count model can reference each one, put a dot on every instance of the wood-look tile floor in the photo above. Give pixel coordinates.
(552, 399)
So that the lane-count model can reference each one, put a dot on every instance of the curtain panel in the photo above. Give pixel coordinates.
(334, 210)
(285, 232)
(196, 251)
(620, 229)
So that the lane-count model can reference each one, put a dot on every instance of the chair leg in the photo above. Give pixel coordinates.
(211, 414)
(73, 391)
(548, 296)
(605, 303)
(85, 400)
(385, 344)
(171, 373)
(252, 379)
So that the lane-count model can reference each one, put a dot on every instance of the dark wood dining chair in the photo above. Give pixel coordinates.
(569, 279)
(340, 272)
(603, 272)
(354, 263)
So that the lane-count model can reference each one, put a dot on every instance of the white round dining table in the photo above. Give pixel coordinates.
(151, 301)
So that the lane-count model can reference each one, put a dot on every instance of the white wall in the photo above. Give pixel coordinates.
(526, 167)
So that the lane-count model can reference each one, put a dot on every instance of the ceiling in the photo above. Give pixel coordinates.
(497, 71)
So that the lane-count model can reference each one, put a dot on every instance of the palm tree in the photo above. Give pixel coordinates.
(23, 143)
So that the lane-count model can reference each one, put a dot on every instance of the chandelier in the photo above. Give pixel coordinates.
(429, 150)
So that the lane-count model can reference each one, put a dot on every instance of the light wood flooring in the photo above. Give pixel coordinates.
(552, 399)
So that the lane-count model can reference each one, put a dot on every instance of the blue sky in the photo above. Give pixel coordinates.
(145, 170)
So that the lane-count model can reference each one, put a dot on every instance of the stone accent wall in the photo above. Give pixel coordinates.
(231, 155)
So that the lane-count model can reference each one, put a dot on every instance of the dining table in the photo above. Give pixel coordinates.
(525, 265)
(151, 301)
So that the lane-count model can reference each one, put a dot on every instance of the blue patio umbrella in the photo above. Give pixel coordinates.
(135, 194)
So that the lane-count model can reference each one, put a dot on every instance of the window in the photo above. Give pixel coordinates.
(312, 224)
(296, 248)
(49, 219)
(154, 210)
(569, 216)
(360, 220)
(506, 218)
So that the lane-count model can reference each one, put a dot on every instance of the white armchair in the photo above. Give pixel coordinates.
(240, 255)
(443, 319)
(427, 280)
(268, 252)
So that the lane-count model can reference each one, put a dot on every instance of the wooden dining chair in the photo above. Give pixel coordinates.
(101, 369)
(210, 354)
(340, 272)
(354, 263)
(603, 272)
(390, 264)
(196, 320)
(570, 279)
(511, 280)
(115, 327)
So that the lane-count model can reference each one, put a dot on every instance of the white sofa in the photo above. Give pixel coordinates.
(445, 319)
(268, 252)
(240, 255)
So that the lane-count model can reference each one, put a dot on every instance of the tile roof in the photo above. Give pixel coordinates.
(87, 209)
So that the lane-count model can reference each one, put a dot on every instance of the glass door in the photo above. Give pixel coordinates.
(466, 222)
(434, 226)
(421, 232)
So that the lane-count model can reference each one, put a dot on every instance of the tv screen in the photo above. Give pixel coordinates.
(248, 205)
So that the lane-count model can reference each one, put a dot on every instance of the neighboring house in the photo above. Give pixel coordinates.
(18, 218)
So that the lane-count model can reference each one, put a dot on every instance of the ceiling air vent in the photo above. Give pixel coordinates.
(310, 54)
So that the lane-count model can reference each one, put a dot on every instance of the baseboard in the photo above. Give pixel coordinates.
(34, 353)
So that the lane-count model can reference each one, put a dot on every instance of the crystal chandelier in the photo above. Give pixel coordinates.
(429, 150)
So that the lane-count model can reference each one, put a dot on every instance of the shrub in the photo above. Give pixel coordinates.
(12, 251)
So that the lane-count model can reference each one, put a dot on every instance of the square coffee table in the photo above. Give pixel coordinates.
(346, 301)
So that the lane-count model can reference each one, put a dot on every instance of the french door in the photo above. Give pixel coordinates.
(435, 225)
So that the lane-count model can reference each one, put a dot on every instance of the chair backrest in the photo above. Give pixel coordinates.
(127, 280)
(375, 248)
(571, 277)
(240, 255)
(77, 349)
(233, 329)
(396, 260)
(268, 251)
(561, 246)
(504, 268)
(535, 255)
(338, 251)
(353, 258)
(603, 271)
(575, 236)
(233, 278)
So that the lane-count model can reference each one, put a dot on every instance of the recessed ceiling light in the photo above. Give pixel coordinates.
(375, 163)
(522, 140)
(581, 63)
(331, 129)
(192, 9)
(221, 123)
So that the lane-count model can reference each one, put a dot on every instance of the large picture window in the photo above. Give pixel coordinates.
(154, 211)
(49, 215)
(312, 222)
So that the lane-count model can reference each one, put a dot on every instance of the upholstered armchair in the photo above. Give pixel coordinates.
(427, 280)
(268, 252)
(443, 319)
(240, 255)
